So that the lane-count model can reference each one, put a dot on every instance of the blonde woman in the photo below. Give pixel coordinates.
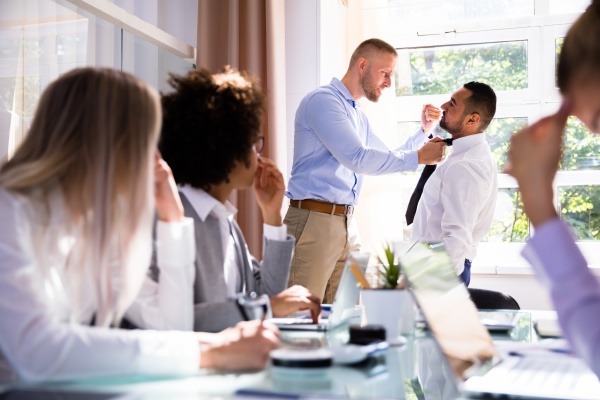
(76, 208)
(534, 156)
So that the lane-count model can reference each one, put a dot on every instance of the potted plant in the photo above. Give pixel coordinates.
(388, 303)
(390, 270)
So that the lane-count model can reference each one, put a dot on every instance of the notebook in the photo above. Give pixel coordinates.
(468, 358)
(344, 305)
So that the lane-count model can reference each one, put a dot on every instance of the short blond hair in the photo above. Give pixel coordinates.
(370, 47)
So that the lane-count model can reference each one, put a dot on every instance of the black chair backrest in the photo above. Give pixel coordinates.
(491, 300)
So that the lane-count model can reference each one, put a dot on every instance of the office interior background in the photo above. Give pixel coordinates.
(510, 44)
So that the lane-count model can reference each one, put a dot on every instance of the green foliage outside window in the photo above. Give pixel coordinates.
(510, 223)
(440, 70)
(580, 205)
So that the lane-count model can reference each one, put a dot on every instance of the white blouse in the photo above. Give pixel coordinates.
(42, 337)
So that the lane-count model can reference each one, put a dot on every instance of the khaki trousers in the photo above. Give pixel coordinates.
(322, 243)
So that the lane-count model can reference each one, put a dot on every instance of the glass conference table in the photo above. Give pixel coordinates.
(410, 371)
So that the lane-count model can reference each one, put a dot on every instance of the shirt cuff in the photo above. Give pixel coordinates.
(175, 245)
(278, 233)
(168, 352)
(411, 160)
(552, 249)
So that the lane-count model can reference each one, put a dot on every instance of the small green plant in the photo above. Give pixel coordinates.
(389, 269)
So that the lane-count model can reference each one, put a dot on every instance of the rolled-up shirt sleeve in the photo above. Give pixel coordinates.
(574, 289)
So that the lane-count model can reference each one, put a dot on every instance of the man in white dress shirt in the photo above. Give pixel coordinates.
(458, 200)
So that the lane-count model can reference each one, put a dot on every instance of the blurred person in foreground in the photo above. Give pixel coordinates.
(77, 203)
(534, 156)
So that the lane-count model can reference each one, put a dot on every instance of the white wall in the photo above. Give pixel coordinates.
(315, 51)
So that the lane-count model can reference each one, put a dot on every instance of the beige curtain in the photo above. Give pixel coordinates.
(249, 35)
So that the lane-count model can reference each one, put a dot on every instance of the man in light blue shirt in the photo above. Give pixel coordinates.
(334, 145)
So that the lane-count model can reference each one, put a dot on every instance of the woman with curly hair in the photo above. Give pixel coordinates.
(211, 139)
(77, 202)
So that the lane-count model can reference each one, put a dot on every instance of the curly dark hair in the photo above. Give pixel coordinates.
(210, 123)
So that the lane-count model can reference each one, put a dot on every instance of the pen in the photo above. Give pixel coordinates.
(537, 352)
(359, 274)
(266, 394)
(265, 309)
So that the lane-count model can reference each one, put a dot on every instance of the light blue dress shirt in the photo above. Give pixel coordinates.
(334, 145)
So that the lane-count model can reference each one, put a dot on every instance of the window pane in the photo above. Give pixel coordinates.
(409, 11)
(439, 70)
(581, 148)
(151, 63)
(498, 136)
(566, 7)
(580, 208)
(558, 44)
(510, 223)
(39, 40)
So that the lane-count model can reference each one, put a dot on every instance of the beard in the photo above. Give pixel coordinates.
(451, 128)
(369, 87)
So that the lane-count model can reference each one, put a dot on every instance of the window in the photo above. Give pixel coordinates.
(42, 39)
(437, 11)
(440, 70)
(571, 6)
(513, 46)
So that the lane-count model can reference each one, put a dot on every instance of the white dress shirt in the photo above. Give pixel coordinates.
(44, 337)
(458, 201)
(204, 205)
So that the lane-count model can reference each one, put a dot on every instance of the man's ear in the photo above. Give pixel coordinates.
(362, 65)
(473, 119)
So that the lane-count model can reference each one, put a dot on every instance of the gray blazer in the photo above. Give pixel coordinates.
(213, 311)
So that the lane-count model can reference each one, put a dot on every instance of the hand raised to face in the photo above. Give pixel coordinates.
(430, 115)
(269, 189)
(166, 196)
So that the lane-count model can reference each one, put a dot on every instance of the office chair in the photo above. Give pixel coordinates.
(491, 300)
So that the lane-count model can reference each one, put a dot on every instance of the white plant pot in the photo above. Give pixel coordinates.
(394, 309)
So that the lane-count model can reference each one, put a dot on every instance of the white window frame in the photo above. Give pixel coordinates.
(539, 99)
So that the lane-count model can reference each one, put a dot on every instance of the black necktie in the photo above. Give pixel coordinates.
(416, 195)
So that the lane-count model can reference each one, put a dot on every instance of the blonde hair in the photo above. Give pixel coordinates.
(92, 139)
(369, 48)
(580, 54)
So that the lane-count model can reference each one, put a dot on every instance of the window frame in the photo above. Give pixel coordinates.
(539, 99)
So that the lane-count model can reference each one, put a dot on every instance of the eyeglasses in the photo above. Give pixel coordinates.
(259, 144)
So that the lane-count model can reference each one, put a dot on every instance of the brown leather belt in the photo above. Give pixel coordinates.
(322, 206)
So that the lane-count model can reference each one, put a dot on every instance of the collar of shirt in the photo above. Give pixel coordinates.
(203, 203)
(465, 143)
(336, 83)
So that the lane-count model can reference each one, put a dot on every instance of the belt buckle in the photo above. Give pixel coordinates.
(348, 210)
